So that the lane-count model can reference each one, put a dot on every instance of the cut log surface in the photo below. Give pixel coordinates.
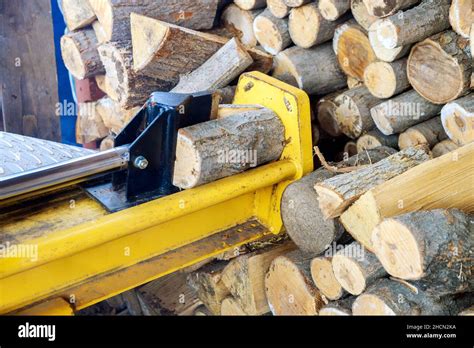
(240, 24)
(114, 117)
(219, 148)
(107, 144)
(384, 80)
(272, 33)
(444, 147)
(355, 268)
(461, 16)
(303, 220)
(230, 307)
(458, 120)
(289, 288)
(441, 60)
(361, 14)
(314, 70)
(333, 9)
(80, 54)
(402, 112)
(324, 279)
(435, 247)
(445, 182)
(383, 53)
(384, 8)
(326, 114)
(77, 14)
(338, 193)
(374, 139)
(278, 8)
(428, 133)
(338, 308)
(250, 4)
(89, 125)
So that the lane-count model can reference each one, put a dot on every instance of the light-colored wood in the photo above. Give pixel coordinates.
(336, 194)
(278, 8)
(444, 147)
(383, 53)
(428, 133)
(338, 308)
(326, 114)
(458, 120)
(272, 33)
(353, 82)
(113, 116)
(77, 14)
(444, 182)
(89, 125)
(230, 307)
(324, 279)
(468, 311)
(461, 16)
(384, 80)
(108, 143)
(296, 3)
(333, 9)
(99, 31)
(374, 139)
(250, 4)
(240, 24)
(361, 14)
(384, 8)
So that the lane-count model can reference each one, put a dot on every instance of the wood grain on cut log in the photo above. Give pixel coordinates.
(326, 114)
(314, 70)
(278, 8)
(309, 28)
(230, 307)
(303, 220)
(219, 148)
(272, 33)
(113, 116)
(108, 143)
(428, 133)
(384, 80)
(240, 24)
(289, 287)
(250, 4)
(381, 52)
(461, 17)
(441, 60)
(444, 147)
(333, 9)
(89, 125)
(353, 49)
(337, 193)
(458, 120)
(80, 55)
(384, 8)
(324, 279)
(338, 308)
(361, 14)
(435, 247)
(403, 111)
(353, 111)
(77, 14)
(355, 268)
(445, 182)
(374, 139)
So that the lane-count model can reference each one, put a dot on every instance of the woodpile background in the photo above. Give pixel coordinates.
(381, 227)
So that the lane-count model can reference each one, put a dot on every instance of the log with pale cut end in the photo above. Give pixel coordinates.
(245, 278)
(353, 49)
(445, 182)
(441, 60)
(219, 148)
(355, 268)
(374, 139)
(384, 80)
(338, 308)
(250, 4)
(353, 111)
(89, 125)
(289, 288)
(458, 120)
(303, 220)
(221, 69)
(461, 16)
(80, 55)
(226, 110)
(314, 70)
(336, 194)
(230, 307)
(361, 14)
(296, 3)
(99, 31)
(114, 117)
(326, 114)
(428, 133)
(434, 247)
(381, 52)
(353, 82)
(278, 8)
(324, 279)
(309, 28)
(272, 33)
(108, 143)
(384, 8)
(444, 147)
(77, 14)
(333, 9)
(240, 24)
(403, 111)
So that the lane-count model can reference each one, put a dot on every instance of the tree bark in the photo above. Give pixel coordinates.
(383, 8)
(326, 114)
(338, 308)
(428, 133)
(333, 9)
(296, 3)
(240, 24)
(374, 139)
(272, 33)
(458, 120)
(361, 14)
(77, 14)
(384, 80)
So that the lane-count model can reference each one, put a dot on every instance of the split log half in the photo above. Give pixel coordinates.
(333, 9)
(374, 139)
(428, 133)
(77, 14)
(240, 24)
(384, 8)
(272, 33)
(384, 80)
(458, 120)
(326, 114)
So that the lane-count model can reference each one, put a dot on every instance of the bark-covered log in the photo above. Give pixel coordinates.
(240, 24)
(250, 4)
(461, 17)
(77, 14)
(384, 8)
(384, 80)
(428, 133)
(278, 8)
(338, 308)
(458, 120)
(333, 9)
(383, 53)
(272, 33)
(324, 279)
(361, 14)
(374, 139)
(444, 147)
(326, 114)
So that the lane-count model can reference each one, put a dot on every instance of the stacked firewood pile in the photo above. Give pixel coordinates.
(384, 230)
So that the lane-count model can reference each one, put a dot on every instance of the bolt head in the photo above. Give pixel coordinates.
(141, 163)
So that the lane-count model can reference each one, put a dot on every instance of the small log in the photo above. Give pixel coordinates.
(445, 182)
(326, 114)
(113, 116)
(324, 279)
(428, 133)
(99, 31)
(250, 4)
(361, 14)
(402, 112)
(458, 120)
(374, 139)
(219, 148)
(278, 8)
(383, 8)
(303, 68)
(461, 17)
(333, 9)
(355, 268)
(230, 307)
(89, 125)
(441, 60)
(240, 24)
(353, 111)
(289, 288)
(80, 55)
(272, 33)
(383, 53)
(338, 193)
(444, 147)
(434, 247)
(77, 14)
(296, 3)
(338, 308)
(384, 80)
(352, 47)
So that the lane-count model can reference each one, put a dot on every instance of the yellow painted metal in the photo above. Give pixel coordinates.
(87, 255)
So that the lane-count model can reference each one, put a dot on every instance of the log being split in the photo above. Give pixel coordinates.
(326, 114)
(333, 9)
(444, 147)
(384, 80)
(352, 47)
(272, 33)
(314, 70)
(361, 14)
(113, 116)
(458, 120)
(289, 288)
(309, 28)
(324, 279)
(384, 8)
(441, 60)
(435, 247)
(219, 148)
(355, 268)
(250, 4)
(240, 24)
(461, 17)
(403, 111)
(338, 193)
(77, 14)
(383, 53)
(428, 133)
(338, 308)
(374, 139)
(445, 182)
(80, 55)
(278, 8)
(303, 220)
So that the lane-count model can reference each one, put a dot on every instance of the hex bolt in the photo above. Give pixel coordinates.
(140, 163)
